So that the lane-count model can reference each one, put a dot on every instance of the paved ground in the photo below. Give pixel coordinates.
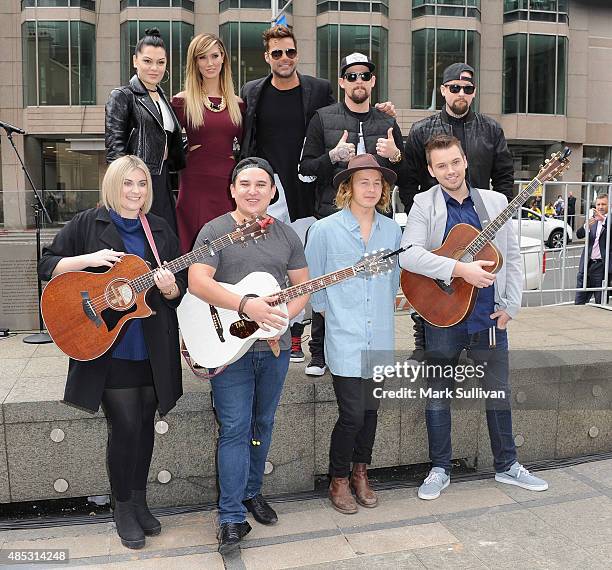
(476, 524)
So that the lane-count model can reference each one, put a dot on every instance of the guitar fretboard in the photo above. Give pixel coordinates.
(146, 281)
(314, 285)
(486, 235)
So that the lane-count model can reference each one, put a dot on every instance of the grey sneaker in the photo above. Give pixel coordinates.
(434, 484)
(519, 476)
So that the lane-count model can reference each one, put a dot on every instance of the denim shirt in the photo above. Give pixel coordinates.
(358, 311)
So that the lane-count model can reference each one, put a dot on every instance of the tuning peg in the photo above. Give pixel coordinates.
(547, 161)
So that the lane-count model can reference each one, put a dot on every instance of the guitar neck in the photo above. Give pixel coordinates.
(486, 235)
(146, 281)
(314, 285)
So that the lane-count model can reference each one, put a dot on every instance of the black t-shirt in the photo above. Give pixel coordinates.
(280, 133)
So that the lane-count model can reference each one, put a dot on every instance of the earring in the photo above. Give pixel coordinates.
(166, 77)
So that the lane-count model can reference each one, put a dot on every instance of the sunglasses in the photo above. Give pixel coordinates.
(352, 76)
(278, 53)
(467, 89)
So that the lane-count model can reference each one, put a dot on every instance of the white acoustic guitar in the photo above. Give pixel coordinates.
(216, 337)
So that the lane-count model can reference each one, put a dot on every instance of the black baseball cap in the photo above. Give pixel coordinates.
(355, 59)
(458, 72)
(255, 162)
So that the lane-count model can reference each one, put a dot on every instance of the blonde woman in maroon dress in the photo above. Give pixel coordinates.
(211, 114)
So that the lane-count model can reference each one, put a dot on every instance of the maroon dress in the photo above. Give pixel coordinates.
(204, 192)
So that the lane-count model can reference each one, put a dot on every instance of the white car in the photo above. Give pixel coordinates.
(530, 225)
(533, 258)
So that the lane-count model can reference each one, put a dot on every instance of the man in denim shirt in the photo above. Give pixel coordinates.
(358, 318)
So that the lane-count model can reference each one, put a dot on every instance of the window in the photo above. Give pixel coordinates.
(70, 179)
(185, 4)
(243, 40)
(86, 4)
(461, 8)
(596, 161)
(381, 6)
(433, 50)
(535, 71)
(59, 63)
(542, 10)
(267, 4)
(176, 36)
(372, 41)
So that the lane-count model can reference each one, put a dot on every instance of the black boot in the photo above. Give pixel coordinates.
(128, 529)
(419, 338)
(149, 524)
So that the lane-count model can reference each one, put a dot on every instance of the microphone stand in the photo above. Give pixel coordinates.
(41, 337)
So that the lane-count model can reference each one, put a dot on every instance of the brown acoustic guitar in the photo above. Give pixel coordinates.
(444, 304)
(84, 311)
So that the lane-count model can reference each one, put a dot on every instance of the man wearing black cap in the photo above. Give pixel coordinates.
(482, 138)
(358, 318)
(336, 134)
(246, 393)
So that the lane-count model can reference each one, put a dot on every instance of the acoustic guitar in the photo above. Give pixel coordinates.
(216, 337)
(84, 312)
(444, 304)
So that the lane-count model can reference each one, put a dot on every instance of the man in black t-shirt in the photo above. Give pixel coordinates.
(335, 134)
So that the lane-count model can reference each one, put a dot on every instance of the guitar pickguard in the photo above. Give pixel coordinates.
(243, 329)
(112, 317)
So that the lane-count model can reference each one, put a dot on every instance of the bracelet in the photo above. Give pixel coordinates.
(397, 157)
(170, 291)
(243, 301)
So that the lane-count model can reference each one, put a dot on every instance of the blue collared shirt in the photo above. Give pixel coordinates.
(465, 213)
(359, 311)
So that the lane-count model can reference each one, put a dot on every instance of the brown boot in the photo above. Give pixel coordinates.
(366, 496)
(340, 496)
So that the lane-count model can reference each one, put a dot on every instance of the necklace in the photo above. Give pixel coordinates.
(214, 107)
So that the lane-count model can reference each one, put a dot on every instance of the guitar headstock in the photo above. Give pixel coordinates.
(376, 262)
(555, 165)
(253, 229)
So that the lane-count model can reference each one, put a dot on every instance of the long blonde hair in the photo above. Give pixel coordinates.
(344, 196)
(194, 111)
(112, 183)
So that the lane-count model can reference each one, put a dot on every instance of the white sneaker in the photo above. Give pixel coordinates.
(434, 484)
(316, 367)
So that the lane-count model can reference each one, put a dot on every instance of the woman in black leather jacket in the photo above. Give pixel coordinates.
(141, 122)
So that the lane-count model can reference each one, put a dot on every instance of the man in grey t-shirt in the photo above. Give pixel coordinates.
(247, 392)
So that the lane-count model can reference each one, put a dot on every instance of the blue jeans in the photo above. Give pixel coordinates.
(245, 396)
(444, 345)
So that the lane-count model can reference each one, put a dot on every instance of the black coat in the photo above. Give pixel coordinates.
(323, 134)
(316, 93)
(90, 231)
(490, 164)
(581, 234)
(133, 125)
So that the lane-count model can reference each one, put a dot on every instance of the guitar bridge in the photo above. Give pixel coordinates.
(214, 313)
(89, 310)
(448, 289)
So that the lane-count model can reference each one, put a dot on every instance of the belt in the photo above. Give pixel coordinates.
(595, 261)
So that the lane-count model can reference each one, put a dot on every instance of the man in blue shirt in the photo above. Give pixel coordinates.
(358, 318)
(434, 213)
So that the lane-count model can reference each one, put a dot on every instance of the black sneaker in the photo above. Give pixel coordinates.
(230, 535)
(262, 512)
(316, 366)
(297, 355)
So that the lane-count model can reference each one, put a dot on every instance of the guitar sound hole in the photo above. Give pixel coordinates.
(119, 295)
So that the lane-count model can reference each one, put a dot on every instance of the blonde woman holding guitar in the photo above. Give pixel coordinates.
(141, 373)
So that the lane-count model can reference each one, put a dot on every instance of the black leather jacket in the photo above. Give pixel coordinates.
(490, 163)
(133, 125)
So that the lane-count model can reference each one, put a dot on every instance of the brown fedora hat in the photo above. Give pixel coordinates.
(364, 162)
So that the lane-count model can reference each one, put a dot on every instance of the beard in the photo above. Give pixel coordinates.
(359, 95)
(284, 73)
(459, 107)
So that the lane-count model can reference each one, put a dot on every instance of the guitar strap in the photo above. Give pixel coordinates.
(147, 231)
(479, 206)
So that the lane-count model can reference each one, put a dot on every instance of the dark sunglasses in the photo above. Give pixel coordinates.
(467, 89)
(352, 76)
(278, 53)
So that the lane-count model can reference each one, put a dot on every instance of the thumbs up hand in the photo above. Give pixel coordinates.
(385, 147)
(343, 151)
